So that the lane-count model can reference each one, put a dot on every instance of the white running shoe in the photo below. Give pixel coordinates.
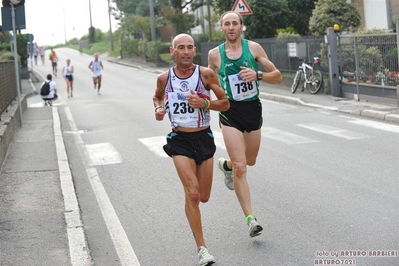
(254, 228)
(205, 258)
(228, 175)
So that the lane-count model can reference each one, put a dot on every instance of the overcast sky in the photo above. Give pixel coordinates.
(53, 21)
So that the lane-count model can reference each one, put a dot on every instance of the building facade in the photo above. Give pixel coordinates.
(378, 14)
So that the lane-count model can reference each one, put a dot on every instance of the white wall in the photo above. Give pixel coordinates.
(375, 14)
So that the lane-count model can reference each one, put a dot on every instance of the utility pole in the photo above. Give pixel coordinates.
(14, 41)
(152, 21)
(92, 31)
(111, 39)
(209, 20)
(91, 25)
(63, 9)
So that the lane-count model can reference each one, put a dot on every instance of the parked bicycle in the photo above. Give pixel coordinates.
(313, 78)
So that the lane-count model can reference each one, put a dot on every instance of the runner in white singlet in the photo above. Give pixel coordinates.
(96, 66)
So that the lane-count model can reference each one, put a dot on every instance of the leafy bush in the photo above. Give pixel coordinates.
(6, 55)
(130, 46)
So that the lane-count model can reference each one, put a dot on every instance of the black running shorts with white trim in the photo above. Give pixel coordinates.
(199, 146)
(243, 115)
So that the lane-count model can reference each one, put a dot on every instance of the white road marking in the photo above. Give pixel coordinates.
(41, 105)
(348, 117)
(376, 125)
(78, 249)
(284, 137)
(74, 132)
(103, 153)
(219, 142)
(333, 131)
(123, 247)
(155, 144)
(279, 103)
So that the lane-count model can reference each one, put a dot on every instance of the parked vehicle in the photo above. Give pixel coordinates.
(313, 78)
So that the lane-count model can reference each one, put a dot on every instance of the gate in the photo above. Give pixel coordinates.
(368, 66)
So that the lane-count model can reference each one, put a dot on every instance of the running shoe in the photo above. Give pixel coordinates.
(205, 258)
(254, 228)
(228, 175)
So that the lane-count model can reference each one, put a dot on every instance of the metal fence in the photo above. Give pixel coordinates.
(377, 54)
(277, 50)
(285, 52)
(374, 58)
(8, 84)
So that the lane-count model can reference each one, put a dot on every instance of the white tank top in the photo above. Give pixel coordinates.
(176, 105)
(96, 67)
(68, 70)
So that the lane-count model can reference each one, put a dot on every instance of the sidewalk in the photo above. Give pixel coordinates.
(36, 214)
(38, 223)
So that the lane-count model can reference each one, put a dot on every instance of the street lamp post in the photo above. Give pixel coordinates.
(64, 26)
(91, 25)
(111, 39)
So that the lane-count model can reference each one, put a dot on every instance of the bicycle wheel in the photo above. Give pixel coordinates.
(296, 81)
(315, 82)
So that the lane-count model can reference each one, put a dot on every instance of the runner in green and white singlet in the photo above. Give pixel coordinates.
(236, 63)
(235, 88)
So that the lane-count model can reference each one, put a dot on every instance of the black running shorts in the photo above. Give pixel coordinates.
(242, 115)
(199, 146)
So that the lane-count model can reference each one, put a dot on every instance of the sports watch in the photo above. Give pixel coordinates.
(259, 75)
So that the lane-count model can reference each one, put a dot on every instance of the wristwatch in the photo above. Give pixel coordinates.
(259, 75)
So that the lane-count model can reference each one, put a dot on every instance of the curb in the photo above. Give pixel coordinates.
(381, 115)
(134, 66)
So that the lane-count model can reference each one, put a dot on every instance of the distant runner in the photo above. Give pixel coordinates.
(96, 66)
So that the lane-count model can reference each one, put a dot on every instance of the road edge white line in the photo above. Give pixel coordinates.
(123, 247)
(78, 248)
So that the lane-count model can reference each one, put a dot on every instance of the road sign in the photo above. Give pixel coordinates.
(242, 7)
(30, 37)
(6, 18)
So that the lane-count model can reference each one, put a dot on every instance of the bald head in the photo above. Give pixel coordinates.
(182, 38)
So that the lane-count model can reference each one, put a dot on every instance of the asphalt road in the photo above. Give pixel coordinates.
(325, 184)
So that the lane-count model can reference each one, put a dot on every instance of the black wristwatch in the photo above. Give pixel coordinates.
(259, 75)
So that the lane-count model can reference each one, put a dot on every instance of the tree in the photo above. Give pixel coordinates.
(181, 22)
(299, 14)
(267, 17)
(128, 7)
(330, 12)
(22, 39)
(222, 6)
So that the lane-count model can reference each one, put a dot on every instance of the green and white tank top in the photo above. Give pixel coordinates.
(234, 87)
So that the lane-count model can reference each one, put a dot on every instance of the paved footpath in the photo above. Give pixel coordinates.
(39, 215)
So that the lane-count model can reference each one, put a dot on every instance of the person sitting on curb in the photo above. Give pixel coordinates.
(52, 96)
